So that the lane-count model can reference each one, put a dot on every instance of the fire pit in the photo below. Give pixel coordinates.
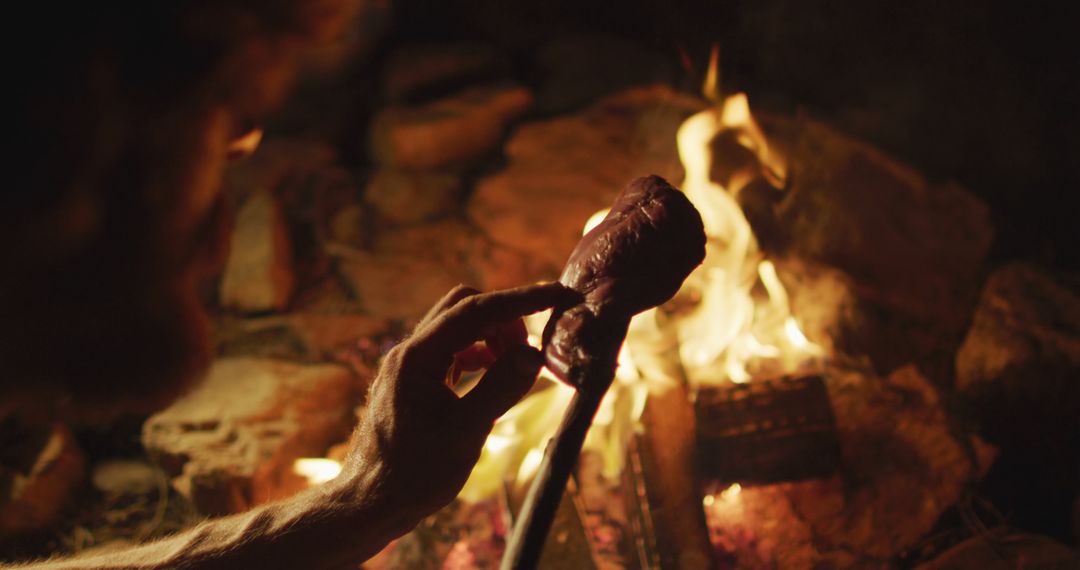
(822, 392)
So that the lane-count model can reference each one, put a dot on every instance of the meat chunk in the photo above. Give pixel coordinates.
(635, 259)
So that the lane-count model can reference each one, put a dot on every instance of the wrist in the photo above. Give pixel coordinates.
(364, 498)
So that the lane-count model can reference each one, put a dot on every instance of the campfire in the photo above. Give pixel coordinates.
(805, 400)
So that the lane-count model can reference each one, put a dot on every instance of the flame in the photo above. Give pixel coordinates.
(316, 470)
(594, 220)
(730, 331)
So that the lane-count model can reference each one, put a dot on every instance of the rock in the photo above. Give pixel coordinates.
(38, 475)
(1024, 345)
(258, 274)
(409, 269)
(903, 465)
(1004, 551)
(1018, 378)
(563, 170)
(402, 197)
(319, 200)
(416, 70)
(348, 226)
(450, 132)
(231, 442)
(911, 250)
(275, 160)
(581, 68)
(125, 477)
(496, 266)
(911, 244)
(302, 335)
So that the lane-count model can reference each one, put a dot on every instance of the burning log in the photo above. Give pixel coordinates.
(767, 431)
(662, 459)
(635, 259)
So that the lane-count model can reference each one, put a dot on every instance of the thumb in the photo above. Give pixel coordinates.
(506, 382)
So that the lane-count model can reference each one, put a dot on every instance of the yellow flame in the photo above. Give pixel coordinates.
(594, 220)
(730, 331)
(316, 470)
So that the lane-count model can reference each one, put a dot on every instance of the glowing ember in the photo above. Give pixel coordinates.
(316, 470)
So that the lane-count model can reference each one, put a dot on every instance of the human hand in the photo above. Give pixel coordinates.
(417, 437)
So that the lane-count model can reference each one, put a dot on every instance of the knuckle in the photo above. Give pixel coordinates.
(471, 304)
(395, 356)
(462, 289)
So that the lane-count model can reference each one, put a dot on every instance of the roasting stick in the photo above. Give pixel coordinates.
(538, 511)
(635, 259)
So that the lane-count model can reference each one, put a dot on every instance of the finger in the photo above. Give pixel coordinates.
(450, 299)
(464, 323)
(506, 335)
(506, 382)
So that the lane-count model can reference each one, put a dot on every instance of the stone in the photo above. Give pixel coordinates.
(413, 71)
(349, 42)
(1024, 344)
(1003, 550)
(1018, 380)
(302, 335)
(319, 200)
(911, 250)
(823, 301)
(495, 266)
(38, 476)
(402, 197)
(348, 226)
(578, 69)
(258, 273)
(409, 269)
(563, 170)
(276, 159)
(450, 132)
(231, 443)
(903, 465)
(118, 477)
(912, 244)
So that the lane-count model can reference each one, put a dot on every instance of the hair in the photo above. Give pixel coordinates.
(115, 102)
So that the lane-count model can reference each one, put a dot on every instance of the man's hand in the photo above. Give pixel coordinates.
(417, 436)
(416, 444)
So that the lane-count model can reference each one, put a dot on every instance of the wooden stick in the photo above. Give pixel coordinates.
(537, 513)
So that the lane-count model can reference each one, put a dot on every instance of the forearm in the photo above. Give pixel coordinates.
(334, 526)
